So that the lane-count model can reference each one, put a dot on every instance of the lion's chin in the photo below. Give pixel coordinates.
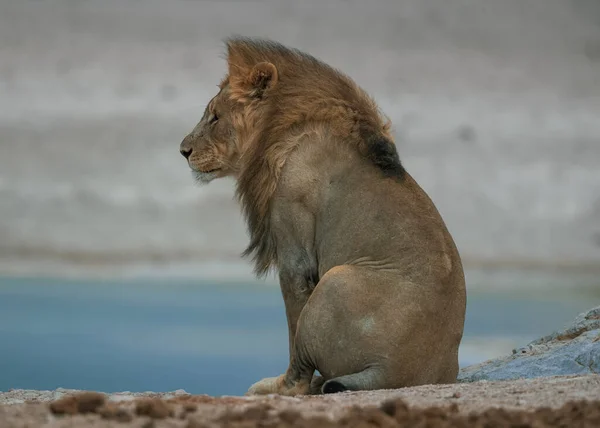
(204, 178)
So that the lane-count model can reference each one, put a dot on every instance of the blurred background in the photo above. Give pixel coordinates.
(117, 272)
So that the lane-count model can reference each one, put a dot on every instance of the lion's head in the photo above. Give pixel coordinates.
(211, 148)
(214, 146)
(269, 91)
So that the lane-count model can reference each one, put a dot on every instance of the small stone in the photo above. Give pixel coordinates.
(154, 408)
(193, 423)
(112, 411)
(289, 416)
(189, 407)
(84, 402)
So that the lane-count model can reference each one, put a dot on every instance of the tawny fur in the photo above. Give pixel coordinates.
(371, 279)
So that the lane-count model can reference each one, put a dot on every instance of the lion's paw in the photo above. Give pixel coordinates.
(269, 385)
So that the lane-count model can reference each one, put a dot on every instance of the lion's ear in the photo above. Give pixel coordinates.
(255, 82)
(250, 76)
(262, 77)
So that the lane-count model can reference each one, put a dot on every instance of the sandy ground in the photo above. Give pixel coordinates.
(546, 401)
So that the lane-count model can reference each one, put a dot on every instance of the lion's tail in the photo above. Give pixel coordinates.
(368, 379)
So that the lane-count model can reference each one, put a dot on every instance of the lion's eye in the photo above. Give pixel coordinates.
(213, 118)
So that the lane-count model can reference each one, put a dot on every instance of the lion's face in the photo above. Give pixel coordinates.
(211, 148)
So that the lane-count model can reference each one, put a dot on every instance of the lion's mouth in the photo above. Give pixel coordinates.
(208, 171)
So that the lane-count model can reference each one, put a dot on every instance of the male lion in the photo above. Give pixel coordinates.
(372, 281)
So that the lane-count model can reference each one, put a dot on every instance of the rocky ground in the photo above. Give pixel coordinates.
(557, 401)
(574, 349)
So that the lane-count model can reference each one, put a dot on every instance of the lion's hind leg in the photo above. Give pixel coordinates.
(341, 330)
(339, 334)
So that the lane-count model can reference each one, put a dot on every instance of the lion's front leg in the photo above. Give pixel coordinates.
(297, 378)
(296, 291)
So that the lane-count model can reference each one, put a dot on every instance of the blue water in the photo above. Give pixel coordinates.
(215, 339)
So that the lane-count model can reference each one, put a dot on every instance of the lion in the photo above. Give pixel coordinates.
(372, 281)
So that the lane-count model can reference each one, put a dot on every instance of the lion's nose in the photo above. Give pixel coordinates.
(186, 152)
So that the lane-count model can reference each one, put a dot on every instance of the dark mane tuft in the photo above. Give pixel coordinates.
(383, 153)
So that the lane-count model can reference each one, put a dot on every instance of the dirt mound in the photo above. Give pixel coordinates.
(572, 414)
(84, 402)
(184, 412)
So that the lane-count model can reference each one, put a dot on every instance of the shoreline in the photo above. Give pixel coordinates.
(480, 277)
